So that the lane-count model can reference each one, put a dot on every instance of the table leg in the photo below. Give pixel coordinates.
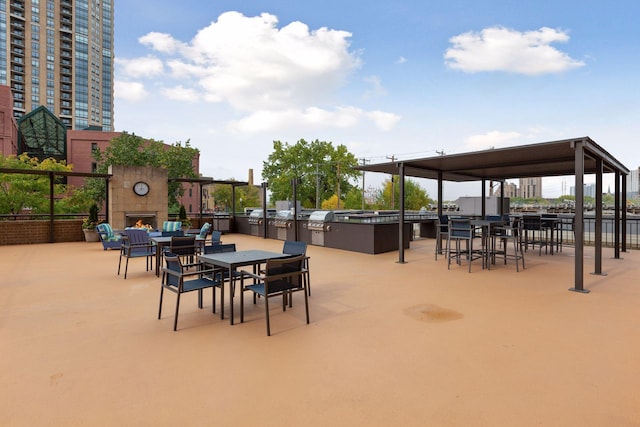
(231, 287)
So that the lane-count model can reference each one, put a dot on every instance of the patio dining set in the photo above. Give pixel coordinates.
(500, 236)
(198, 260)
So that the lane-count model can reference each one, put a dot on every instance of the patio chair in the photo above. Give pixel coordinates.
(202, 233)
(535, 233)
(184, 246)
(442, 232)
(506, 234)
(214, 249)
(216, 237)
(136, 244)
(291, 247)
(282, 277)
(461, 230)
(172, 228)
(177, 279)
(107, 237)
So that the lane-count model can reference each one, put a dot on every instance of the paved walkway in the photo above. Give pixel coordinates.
(388, 344)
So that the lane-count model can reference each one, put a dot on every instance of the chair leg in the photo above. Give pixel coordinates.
(471, 253)
(306, 306)
(126, 267)
(214, 299)
(241, 298)
(175, 320)
(160, 306)
(266, 308)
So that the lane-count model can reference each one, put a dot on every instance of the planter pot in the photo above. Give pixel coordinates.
(90, 235)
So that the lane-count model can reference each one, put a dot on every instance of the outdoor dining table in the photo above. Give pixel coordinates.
(231, 261)
(553, 224)
(161, 242)
(486, 225)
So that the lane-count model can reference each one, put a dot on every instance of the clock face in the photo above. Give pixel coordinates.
(141, 188)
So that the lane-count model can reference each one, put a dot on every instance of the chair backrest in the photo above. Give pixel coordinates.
(105, 231)
(136, 237)
(204, 230)
(532, 222)
(493, 217)
(292, 247)
(183, 245)
(171, 225)
(216, 236)
(216, 249)
(291, 267)
(172, 233)
(173, 263)
(460, 228)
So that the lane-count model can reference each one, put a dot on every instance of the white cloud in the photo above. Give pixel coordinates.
(276, 78)
(503, 49)
(383, 120)
(311, 118)
(252, 64)
(401, 60)
(161, 42)
(129, 91)
(180, 93)
(376, 87)
(493, 139)
(140, 67)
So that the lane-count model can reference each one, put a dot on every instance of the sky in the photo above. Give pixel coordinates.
(388, 79)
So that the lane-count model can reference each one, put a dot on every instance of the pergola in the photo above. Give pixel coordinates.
(202, 181)
(576, 156)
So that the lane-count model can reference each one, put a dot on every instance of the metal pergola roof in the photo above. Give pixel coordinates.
(576, 156)
(556, 158)
(203, 180)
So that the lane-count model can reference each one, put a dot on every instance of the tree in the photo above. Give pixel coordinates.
(246, 196)
(25, 191)
(132, 150)
(320, 167)
(353, 199)
(331, 203)
(415, 196)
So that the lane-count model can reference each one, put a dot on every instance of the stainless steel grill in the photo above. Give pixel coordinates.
(318, 220)
(318, 224)
(283, 219)
(256, 216)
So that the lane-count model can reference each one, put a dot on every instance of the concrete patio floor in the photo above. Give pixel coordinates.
(388, 344)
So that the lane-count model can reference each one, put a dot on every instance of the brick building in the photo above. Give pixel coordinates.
(77, 145)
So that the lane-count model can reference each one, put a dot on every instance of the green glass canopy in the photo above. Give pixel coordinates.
(42, 135)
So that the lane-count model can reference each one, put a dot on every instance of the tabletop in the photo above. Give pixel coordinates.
(238, 258)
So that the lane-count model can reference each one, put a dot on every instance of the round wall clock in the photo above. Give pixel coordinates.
(141, 188)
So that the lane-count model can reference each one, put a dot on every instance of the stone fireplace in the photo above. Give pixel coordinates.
(141, 220)
(127, 207)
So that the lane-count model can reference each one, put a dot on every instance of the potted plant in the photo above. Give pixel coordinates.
(182, 217)
(89, 225)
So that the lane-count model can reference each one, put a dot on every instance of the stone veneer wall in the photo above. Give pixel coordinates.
(122, 199)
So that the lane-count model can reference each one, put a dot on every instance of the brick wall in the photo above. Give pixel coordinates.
(28, 232)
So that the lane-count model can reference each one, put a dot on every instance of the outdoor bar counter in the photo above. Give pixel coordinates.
(364, 237)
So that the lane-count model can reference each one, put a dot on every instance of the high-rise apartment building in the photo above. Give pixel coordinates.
(59, 54)
(530, 188)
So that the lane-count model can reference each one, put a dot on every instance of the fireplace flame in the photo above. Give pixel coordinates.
(139, 224)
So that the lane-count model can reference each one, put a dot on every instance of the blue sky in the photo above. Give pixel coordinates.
(405, 78)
